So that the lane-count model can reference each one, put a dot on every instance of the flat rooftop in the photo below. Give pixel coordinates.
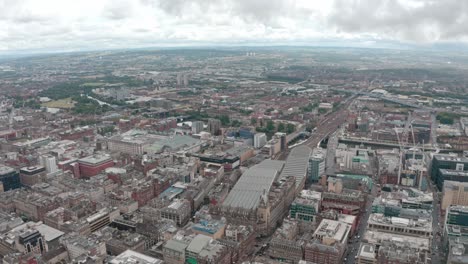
(5, 169)
(133, 257)
(367, 251)
(450, 158)
(336, 230)
(95, 159)
(377, 237)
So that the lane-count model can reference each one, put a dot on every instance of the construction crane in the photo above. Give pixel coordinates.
(401, 156)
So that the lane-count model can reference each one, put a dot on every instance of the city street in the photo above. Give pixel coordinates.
(353, 247)
(438, 252)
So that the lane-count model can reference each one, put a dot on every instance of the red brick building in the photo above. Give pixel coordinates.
(143, 193)
(77, 133)
(93, 165)
(8, 134)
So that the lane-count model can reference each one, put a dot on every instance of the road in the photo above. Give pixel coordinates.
(433, 130)
(353, 246)
(438, 253)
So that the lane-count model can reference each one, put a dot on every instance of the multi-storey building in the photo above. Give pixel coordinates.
(178, 211)
(448, 167)
(9, 178)
(328, 243)
(197, 127)
(260, 197)
(284, 245)
(454, 193)
(30, 176)
(420, 225)
(383, 247)
(214, 126)
(92, 165)
(306, 206)
(316, 165)
(195, 249)
(260, 140)
(102, 218)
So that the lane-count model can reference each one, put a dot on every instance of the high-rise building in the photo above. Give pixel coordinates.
(260, 140)
(197, 127)
(50, 163)
(186, 80)
(9, 178)
(214, 126)
(316, 165)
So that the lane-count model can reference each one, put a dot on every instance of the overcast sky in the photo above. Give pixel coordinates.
(100, 24)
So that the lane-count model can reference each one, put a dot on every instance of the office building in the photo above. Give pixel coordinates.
(458, 251)
(418, 224)
(197, 127)
(454, 193)
(214, 126)
(178, 211)
(30, 176)
(448, 167)
(328, 243)
(260, 140)
(50, 163)
(195, 249)
(10, 178)
(102, 218)
(306, 207)
(316, 165)
(455, 236)
(130, 256)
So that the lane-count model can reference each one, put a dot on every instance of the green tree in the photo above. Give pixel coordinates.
(236, 123)
(253, 121)
(224, 120)
(270, 126)
(281, 127)
(290, 128)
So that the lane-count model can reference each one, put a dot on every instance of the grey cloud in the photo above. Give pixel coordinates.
(118, 10)
(428, 21)
(266, 12)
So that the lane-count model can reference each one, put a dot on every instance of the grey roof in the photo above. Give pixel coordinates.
(297, 164)
(252, 184)
(176, 245)
(49, 233)
(133, 257)
(198, 243)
